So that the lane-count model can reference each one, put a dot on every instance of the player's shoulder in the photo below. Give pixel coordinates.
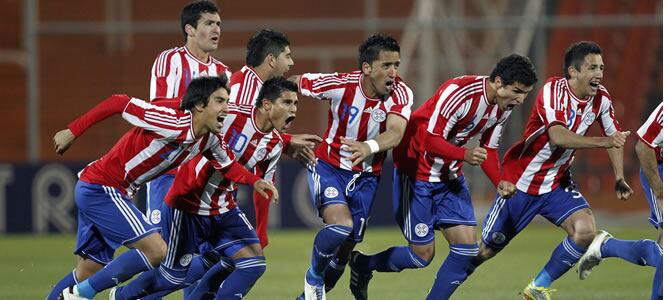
(167, 53)
(603, 93)
(220, 64)
(401, 91)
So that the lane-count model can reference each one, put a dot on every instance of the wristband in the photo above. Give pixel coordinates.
(373, 145)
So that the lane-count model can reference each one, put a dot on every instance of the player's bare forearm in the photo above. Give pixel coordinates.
(560, 136)
(617, 160)
(396, 126)
(650, 168)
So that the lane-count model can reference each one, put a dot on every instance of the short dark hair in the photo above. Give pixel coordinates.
(576, 53)
(369, 50)
(263, 43)
(200, 89)
(193, 11)
(515, 68)
(273, 88)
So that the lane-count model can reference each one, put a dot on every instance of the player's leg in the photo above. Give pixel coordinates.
(209, 282)
(456, 218)
(249, 265)
(567, 208)
(328, 188)
(412, 207)
(657, 283)
(119, 222)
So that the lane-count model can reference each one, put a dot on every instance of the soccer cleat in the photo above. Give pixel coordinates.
(313, 292)
(71, 293)
(592, 257)
(300, 297)
(359, 278)
(112, 293)
(533, 292)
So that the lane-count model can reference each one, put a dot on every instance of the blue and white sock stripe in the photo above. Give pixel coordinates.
(465, 251)
(226, 265)
(251, 263)
(340, 229)
(416, 261)
(496, 209)
(171, 278)
(74, 276)
(144, 258)
(174, 234)
(569, 248)
(134, 222)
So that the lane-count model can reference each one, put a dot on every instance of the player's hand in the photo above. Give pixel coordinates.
(266, 190)
(618, 139)
(301, 148)
(359, 150)
(475, 156)
(623, 190)
(63, 140)
(505, 189)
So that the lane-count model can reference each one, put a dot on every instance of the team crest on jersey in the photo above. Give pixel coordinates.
(155, 216)
(378, 115)
(421, 229)
(260, 153)
(185, 259)
(331, 192)
(589, 118)
(498, 237)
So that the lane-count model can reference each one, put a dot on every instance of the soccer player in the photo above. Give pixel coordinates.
(649, 149)
(200, 205)
(539, 166)
(430, 191)
(167, 133)
(369, 110)
(175, 68)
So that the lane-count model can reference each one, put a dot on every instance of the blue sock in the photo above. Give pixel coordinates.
(326, 242)
(333, 272)
(657, 283)
(640, 252)
(212, 279)
(119, 270)
(69, 280)
(155, 282)
(246, 272)
(393, 259)
(563, 258)
(453, 270)
(137, 287)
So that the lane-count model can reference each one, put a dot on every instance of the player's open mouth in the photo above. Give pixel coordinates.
(389, 84)
(288, 122)
(215, 39)
(220, 120)
(594, 84)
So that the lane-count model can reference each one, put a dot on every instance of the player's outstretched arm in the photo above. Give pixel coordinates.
(560, 136)
(396, 126)
(301, 146)
(649, 166)
(63, 140)
(622, 189)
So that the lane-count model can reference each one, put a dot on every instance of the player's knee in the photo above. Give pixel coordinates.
(253, 267)
(425, 252)
(485, 252)
(155, 252)
(584, 236)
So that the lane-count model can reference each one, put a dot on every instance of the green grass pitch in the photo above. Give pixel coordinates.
(30, 264)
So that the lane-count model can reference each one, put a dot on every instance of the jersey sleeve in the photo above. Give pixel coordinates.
(402, 97)
(108, 107)
(552, 105)
(322, 86)
(163, 120)
(448, 112)
(651, 132)
(165, 75)
(607, 119)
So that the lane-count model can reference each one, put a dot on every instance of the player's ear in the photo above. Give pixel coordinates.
(190, 30)
(498, 83)
(266, 104)
(572, 71)
(270, 60)
(366, 68)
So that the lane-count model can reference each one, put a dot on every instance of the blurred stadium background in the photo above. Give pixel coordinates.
(59, 58)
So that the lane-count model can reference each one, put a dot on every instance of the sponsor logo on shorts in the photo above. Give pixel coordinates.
(378, 115)
(331, 192)
(421, 229)
(155, 216)
(186, 259)
(498, 237)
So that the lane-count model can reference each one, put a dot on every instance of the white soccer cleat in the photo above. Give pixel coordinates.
(314, 292)
(71, 293)
(592, 257)
(112, 293)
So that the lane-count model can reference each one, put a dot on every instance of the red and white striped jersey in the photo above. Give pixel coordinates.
(245, 86)
(162, 139)
(533, 164)
(651, 132)
(458, 111)
(174, 68)
(199, 189)
(354, 115)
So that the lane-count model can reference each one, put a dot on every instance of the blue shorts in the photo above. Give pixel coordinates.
(508, 217)
(185, 232)
(331, 185)
(156, 190)
(107, 219)
(420, 206)
(655, 213)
